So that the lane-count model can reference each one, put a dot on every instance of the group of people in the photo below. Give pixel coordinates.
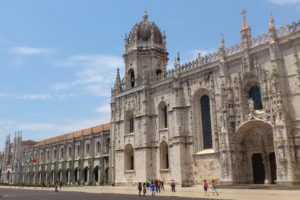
(213, 187)
(154, 186)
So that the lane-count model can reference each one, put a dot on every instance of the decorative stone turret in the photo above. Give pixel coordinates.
(145, 52)
(245, 42)
(117, 86)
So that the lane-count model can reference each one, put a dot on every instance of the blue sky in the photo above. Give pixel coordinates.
(58, 58)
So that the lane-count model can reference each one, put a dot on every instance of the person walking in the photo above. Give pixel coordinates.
(140, 189)
(56, 186)
(162, 186)
(153, 188)
(60, 184)
(144, 189)
(205, 187)
(214, 188)
(173, 185)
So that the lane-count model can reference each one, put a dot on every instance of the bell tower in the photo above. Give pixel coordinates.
(145, 52)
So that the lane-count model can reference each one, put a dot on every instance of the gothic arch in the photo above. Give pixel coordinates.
(253, 148)
(132, 78)
(162, 115)
(251, 90)
(164, 155)
(129, 157)
(202, 123)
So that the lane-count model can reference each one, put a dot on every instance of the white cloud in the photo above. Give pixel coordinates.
(22, 50)
(285, 2)
(104, 108)
(32, 96)
(42, 130)
(94, 74)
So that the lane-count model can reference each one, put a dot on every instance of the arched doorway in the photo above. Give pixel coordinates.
(85, 175)
(96, 175)
(8, 177)
(106, 174)
(76, 176)
(254, 158)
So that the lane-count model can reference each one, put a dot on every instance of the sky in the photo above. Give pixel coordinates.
(58, 58)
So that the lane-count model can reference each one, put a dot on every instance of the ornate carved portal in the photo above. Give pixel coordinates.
(254, 157)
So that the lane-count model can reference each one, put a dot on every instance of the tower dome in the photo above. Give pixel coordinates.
(145, 34)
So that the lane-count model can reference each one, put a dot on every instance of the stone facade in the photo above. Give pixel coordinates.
(80, 157)
(232, 115)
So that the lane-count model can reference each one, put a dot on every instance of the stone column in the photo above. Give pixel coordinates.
(69, 177)
(88, 176)
(267, 169)
(40, 181)
(33, 178)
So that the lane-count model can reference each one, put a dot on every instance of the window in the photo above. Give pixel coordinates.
(69, 151)
(254, 94)
(129, 122)
(164, 155)
(158, 74)
(163, 115)
(62, 153)
(129, 157)
(107, 141)
(206, 123)
(131, 125)
(98, 147)
(131, 78)
(54, 154)
(48, 154)
(87, 148)
(78, 150)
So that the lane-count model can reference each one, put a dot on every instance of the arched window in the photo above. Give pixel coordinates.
(98, 147)
(164, 155)
(129, 157)
(87, 148)
(163, 115)
(158, 74)
(131, 77)
(254, 94)
(62, 153)
(129, 122)
(206, 122)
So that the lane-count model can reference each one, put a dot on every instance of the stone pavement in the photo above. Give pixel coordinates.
(195, 192)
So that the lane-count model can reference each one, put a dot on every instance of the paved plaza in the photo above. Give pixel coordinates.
(108, 192)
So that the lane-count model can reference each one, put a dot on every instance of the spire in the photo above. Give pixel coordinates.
(272, 22)
(245, 22)
(272, 30)
(222, 48)
(117, 86)
(222, 43)
(177, 64)
(145, 17)
(245, 31)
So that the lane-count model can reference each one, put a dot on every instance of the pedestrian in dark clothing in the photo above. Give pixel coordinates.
(60, 184)
(173, 185)
(56, 186)
(162, 186)
(144, 189)
(140, 188)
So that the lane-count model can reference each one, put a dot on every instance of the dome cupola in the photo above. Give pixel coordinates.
(145, 34)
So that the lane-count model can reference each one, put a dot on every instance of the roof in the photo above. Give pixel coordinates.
(75, 134)
(29, 142)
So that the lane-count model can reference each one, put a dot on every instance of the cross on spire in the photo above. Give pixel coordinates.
(145, 17)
